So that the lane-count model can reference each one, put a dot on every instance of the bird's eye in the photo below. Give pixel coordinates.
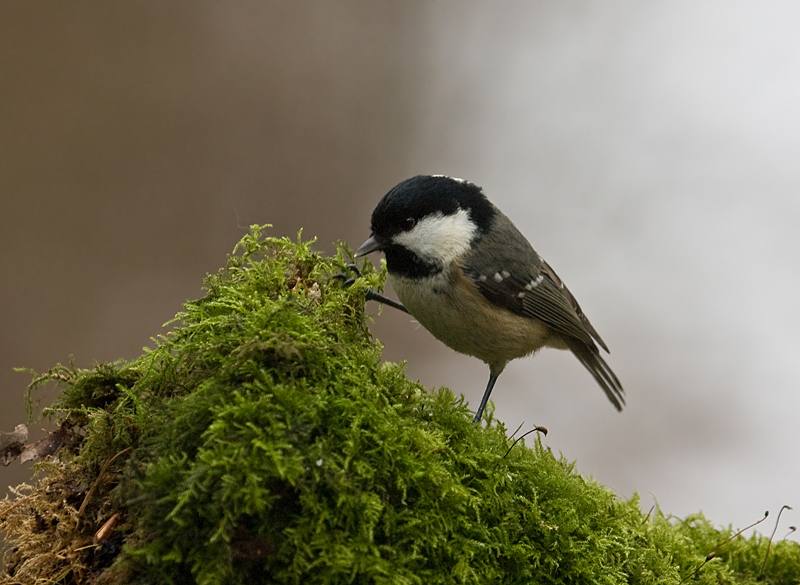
(409, 223)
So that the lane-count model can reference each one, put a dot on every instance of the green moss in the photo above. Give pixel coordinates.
(263, 441)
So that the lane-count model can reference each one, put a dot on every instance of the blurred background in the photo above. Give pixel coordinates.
(649, 151)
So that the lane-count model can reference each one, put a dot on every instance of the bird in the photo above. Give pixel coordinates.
(463, 270)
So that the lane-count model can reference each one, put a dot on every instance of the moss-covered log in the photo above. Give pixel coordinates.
(262, 440)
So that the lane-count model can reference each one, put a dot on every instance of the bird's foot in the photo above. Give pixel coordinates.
(348, 281)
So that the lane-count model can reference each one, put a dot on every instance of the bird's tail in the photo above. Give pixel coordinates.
(590, 357)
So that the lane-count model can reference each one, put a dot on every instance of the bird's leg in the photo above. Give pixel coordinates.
(485, 399)
(371, 294)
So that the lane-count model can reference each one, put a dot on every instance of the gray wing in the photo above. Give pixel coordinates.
(551, 275)
(515, 277)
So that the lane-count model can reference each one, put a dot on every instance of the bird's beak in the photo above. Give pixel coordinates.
(371, 245)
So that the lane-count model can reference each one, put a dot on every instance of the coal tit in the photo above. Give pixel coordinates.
(463, 270)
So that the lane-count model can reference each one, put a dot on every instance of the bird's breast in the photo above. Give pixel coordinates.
(449, 306)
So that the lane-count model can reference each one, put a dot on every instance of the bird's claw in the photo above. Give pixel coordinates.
(348, 281)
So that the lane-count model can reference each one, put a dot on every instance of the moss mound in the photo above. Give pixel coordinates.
(263, 441)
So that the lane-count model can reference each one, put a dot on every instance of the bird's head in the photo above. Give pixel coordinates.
(426, 222)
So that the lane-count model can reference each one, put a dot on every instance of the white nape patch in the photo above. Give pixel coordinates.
(456, 179)
(440, 237)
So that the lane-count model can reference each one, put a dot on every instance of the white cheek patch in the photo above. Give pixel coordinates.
(440, 237)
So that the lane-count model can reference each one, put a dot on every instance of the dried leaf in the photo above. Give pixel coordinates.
(43, 447)
(11, 444)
